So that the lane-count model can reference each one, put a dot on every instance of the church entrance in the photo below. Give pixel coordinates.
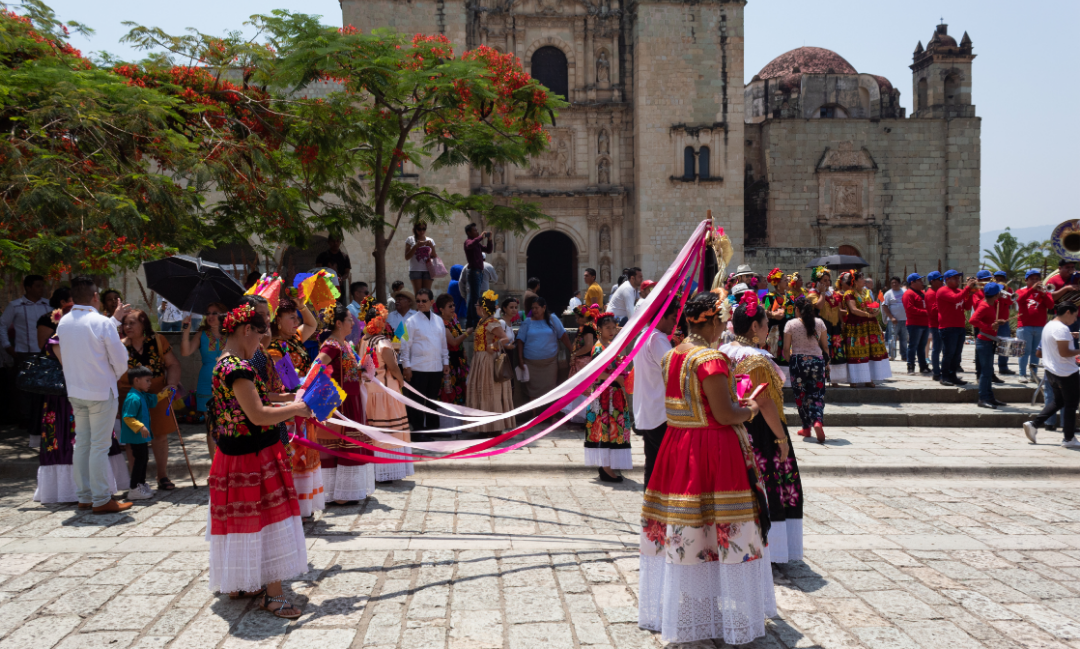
(552, 258)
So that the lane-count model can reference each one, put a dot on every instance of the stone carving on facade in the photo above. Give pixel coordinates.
(498, 174)
(500, 270)
(549, 6)
(603, 68)
(605, 239)
(603, 175)
(605, 272)
(557, 160)
(602, 143)
(846, 158)
(846, 201)
(500, 242)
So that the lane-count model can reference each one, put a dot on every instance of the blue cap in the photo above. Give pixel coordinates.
(991, 289)
(933, 275)
(1000, 273)
(951, 273)
(983, 274)
(1032, 271)
(914, 277)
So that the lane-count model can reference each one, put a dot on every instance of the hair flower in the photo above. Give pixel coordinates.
(749, 301)
(237, 318)
(774, 276)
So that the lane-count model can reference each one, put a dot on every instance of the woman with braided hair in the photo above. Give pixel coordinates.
(806, 344)
(772, 446)
(382, 410)
(255, 532)
(485, 390)
(608, 418)
(705, 569)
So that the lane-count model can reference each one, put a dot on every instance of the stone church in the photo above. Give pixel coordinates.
(811, 157)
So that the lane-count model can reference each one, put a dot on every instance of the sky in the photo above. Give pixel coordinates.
(1028, 148)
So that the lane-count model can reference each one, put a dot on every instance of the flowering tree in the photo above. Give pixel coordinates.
(299, 161)
(77, 193)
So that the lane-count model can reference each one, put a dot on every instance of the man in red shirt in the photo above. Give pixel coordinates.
(1032, 304)
(1004, 307)
(984, 317)
(1062, 285)
(951, 301)
(917, 323)
(936, 282)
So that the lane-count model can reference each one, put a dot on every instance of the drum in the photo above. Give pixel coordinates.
(1010, 347)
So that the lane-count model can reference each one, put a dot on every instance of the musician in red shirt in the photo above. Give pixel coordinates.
(951, 300)
(1063, 285)
(917, 323)
(936, 282)
(1032, 304)
(985, 319)
(1004, 307)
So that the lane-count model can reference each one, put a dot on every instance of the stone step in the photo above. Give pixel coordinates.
(926, 392)
(899, 415)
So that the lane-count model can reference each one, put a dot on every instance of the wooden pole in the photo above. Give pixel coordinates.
(182, 446)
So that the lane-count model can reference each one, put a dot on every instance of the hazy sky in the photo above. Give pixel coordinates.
(1029, 139)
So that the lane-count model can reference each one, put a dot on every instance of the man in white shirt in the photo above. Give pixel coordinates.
(896, 318)
(1059, 354)
(403, 301)
(626, 296)
(94, 359)
(650, 413)
(425, 358)
(22, 315)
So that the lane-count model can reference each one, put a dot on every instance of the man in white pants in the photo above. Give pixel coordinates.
(94, 359)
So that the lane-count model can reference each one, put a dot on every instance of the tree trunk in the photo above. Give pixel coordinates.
(381, 285)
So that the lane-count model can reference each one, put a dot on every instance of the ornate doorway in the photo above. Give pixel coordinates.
(552, 258)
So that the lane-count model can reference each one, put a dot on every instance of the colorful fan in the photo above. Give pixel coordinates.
(269, 287)
(319, 290)
(286, 371)
(323, 396)
(401, 334)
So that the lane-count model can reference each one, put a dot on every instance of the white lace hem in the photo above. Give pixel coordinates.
(310, 492)
(56, 482)
(869, 372)
(250, 561)
(613, 458)
(388, 472)
(712, 600)
(349, 482)
(838, 373)
(786, 540)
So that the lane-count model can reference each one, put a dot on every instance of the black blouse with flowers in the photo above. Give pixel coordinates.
(232, 428)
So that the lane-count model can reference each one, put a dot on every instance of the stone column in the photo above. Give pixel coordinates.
(616, 157)
(617, 244)
(594, 239)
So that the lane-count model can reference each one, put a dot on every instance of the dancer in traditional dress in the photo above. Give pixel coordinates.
(289, 334)
(806, 343)
(255, 532)
(347, 481)
(453, 390)
(777, 305)
(829, 305)
(608, 419)
(486, 391)
(772, 446)
(581, 353)
(705, 569)
(867, 357)
(383, 411)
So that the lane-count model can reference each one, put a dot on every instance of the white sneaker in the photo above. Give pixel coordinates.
(1030, 431)
(142, 492)
(1072, 443)
(1023, 379)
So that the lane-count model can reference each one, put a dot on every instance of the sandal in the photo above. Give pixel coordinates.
(286, 605)
(244, 594)
(165, 484)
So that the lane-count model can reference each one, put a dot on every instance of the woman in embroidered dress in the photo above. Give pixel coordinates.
(772, 445)
(608, 417)
(484, 392)
(828, 303)
(293, 324)
(347, 480)
(867, 357)
(776, 304)
(381, 376)
(581, 353)
(454, 383)
(209, 348)
(806, 343)
(152, 350)
(705, 569)
(255, 532)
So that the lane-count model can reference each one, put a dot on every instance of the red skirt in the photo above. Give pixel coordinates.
(252, 491)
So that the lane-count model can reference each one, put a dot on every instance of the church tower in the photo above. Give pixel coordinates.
(942, 76)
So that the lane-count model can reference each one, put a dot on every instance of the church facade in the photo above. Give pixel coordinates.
(809, 157)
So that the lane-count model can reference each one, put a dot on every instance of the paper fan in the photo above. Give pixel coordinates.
(269, 287)
(319, 290)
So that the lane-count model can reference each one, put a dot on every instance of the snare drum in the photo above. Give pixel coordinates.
(1010, 347)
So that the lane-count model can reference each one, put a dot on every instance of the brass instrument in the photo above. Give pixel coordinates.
(1065, 240)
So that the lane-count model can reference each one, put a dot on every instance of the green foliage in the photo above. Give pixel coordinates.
(1009, 255)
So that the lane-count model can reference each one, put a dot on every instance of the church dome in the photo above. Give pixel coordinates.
(806, 60)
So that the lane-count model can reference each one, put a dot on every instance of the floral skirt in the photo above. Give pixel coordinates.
(783, 489)
(453, 390)
(867, 358)
(808, 382)
(837, 368)
(608, 421)
(54, 426)
(254, 527)
(705, 570)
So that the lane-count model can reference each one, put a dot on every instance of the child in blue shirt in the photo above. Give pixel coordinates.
(135, 431)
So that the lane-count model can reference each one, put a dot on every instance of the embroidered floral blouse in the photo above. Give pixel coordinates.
(234, 431)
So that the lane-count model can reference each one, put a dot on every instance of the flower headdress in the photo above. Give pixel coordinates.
(706, 315)
(605, 314)
(774, 276)
(237, 318)
(818, 273)
(749, 301)
(591, 313)
(326, 318)
(367, 304)
(794, 277)
(377, 325)
(56, 315)
(489, 301)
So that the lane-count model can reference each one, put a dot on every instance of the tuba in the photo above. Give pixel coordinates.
(1065, 241)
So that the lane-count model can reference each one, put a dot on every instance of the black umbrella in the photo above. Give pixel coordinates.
(191, 284)
(837, 262)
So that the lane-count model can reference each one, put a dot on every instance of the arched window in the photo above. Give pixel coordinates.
(549, 67)
(688, 163)
(703, 162)
(848, 250)
(864, 100)
(833, 112)
(924, 90)
(952, 90)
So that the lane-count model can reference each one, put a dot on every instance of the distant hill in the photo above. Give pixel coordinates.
(1023, 235)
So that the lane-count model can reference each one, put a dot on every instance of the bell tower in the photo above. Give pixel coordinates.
(942, 76)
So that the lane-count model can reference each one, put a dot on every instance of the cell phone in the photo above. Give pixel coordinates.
(757, 391)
